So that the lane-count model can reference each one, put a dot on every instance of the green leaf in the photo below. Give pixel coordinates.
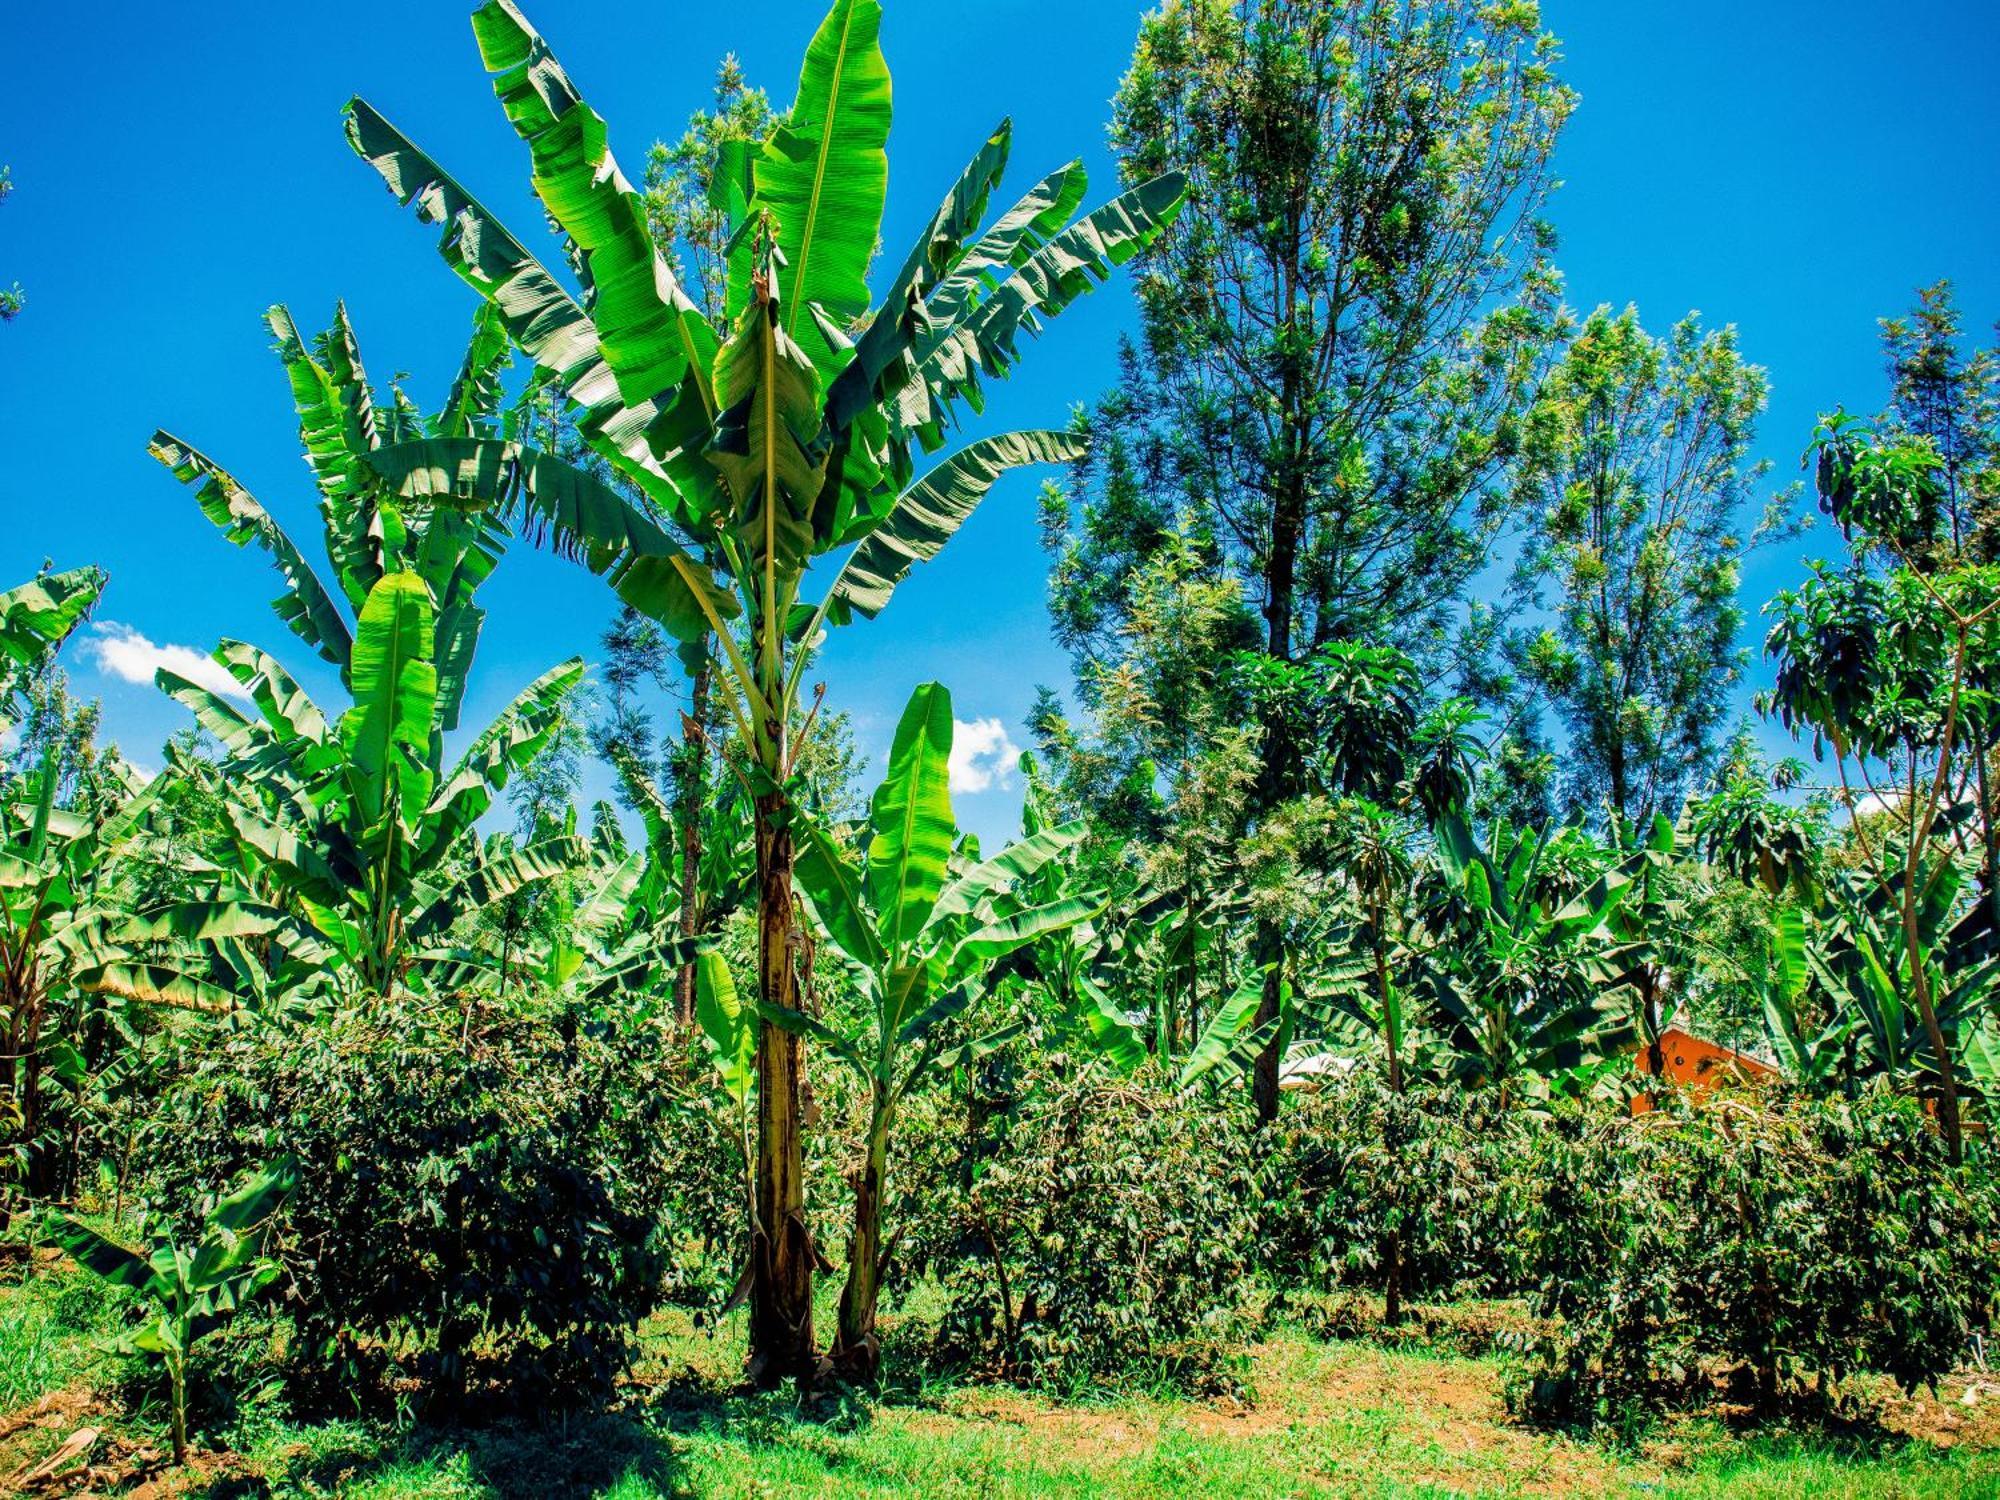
(102, 1257)
(978, 1047)
(1225, 1030)
(803, 1026)
(1017, 235)
(984, 338)
(911, 823)
(493, 880)
(337, 427)
(831, 886)
(1017, 929)
(728, 1028)
(881, 365)
(201, 922)
(650, 334)
(768, 446)
(930, 513)
(306, 607)
(387, 733)
(476, 391)
(823, 178)
(39, 615)
(542, 319)
(1015, 863)
(260, 1196)
(156, 984)
(588, 518)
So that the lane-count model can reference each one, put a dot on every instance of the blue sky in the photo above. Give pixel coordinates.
(1794, 167)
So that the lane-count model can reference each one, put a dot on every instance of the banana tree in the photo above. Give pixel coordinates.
(921, 942)
(351, 830)
(1812, 1052)
(36, 617)
(780, 436)
(65, 886)
(191, 1289)
(1861, 954)
(1525, 982)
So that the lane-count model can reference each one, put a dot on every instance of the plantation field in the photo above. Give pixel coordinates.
(1409, 1416)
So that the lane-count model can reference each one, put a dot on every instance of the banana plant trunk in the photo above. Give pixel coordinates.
(857, 1351)
(781, 1254)
(694, 796)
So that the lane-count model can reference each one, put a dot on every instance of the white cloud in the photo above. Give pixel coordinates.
(123, 652)
(983, 757)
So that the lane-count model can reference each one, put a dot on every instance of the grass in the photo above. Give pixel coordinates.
(1327, 1418)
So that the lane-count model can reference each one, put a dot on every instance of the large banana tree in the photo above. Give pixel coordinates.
(783, 435)
(920, 940)
(1526, 979)
(352, 831)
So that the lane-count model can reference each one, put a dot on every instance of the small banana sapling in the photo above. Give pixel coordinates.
(920, 932)
(189, 1290)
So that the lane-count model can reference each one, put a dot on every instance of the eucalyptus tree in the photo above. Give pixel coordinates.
(776, 436)
(1636, 471)
(920, 938)
(352, 830)
(1341, 332)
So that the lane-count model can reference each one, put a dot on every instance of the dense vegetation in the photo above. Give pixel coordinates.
(1398, 826)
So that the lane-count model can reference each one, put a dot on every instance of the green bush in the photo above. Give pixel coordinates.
(1778, 1242)
(1438, 1167)
(1095, 1233)
(499, 1202)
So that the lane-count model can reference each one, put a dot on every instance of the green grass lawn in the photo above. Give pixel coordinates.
(1339, 1418)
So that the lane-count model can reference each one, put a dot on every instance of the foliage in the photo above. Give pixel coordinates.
(778, 433)
(352, 846)
(1433, 1170)
(489, 1200)
(1526, 967)
(12, 299)
(191, 1287)
(1790, 1241)
(1108, 1234)
(1635, 467)
(920, 933)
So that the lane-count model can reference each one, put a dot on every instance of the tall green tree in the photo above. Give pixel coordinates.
(1341, 332)
(1894, 670)
(1637, 470)
(1942, 394)
(782, 434)
(1940, 391)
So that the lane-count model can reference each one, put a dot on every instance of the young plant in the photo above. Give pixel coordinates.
(922, 944)
(190, 1289)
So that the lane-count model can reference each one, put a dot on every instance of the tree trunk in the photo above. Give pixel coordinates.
(1392, 1140)
(693, 794)
(857, 1351)
(781, 1257)
(1288, 520)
